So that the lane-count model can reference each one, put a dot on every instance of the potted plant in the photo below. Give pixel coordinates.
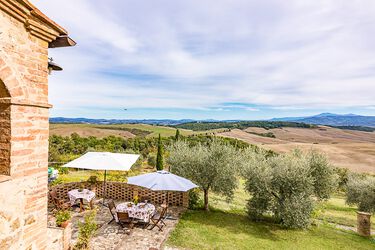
(135, 199)
(62, 218)
(81, 187)
(360, 192)
(92, 180)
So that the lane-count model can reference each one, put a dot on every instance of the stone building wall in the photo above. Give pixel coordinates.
(25, 35)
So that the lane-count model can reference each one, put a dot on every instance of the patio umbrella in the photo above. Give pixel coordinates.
(162, 181)
(104, 161)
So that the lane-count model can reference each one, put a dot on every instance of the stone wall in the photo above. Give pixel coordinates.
(124, 191)
(59, 238)
(24, 39)
(4, 137)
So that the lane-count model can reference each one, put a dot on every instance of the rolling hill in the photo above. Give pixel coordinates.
(352, 149)
(345, 148)
(123, 130)
(333, 120)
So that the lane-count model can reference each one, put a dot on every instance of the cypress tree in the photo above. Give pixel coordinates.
(177, 136)
(159, 156)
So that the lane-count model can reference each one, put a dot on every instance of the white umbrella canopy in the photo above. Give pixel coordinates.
(162, 181)
(104, 161)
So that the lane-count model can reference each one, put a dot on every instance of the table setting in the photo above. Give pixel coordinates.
(81, 194)
(141, 211)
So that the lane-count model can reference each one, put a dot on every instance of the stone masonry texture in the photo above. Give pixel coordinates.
(24, 40)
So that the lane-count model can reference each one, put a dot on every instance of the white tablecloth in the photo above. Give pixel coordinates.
(85, 194)
(142, 211)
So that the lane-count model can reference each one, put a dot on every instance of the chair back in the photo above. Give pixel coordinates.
(53, 194)
(164, 209)
(111, 205)
(123, 216)
(112, 209)
(54, 198)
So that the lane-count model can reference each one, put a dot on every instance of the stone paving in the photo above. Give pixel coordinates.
(114, 237)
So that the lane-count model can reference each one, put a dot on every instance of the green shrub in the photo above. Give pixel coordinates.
(93, 179)
(62, 216)
(212, 166)
(63, 170)
(295, 211)
(86, 230)
(194, 199)
(118, 176)
(56, 182)
(284, 185)
(151, 160)
(324, 175)
(343, 177)
(361, 192)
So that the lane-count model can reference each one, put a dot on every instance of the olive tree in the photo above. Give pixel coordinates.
(285, 185)
(212, 166)
(325, 177)
(361, 192)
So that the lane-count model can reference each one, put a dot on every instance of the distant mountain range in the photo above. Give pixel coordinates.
(118, 121)
(333, 120)
(321, 119)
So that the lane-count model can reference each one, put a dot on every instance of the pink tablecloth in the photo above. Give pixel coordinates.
(85, 194)
(141, 211)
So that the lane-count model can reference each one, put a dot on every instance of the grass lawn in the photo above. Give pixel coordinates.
(228, 227)
(336, 211)
(226, 230)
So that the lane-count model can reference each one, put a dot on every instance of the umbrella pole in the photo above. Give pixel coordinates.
(105, 186)
(168, 216)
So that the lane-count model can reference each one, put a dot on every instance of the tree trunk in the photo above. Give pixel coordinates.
(206, 200)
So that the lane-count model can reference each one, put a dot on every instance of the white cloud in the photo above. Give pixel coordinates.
(193, 54)
(252, 109)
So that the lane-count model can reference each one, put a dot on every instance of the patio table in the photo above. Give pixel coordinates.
(142, 211)
(84, 194)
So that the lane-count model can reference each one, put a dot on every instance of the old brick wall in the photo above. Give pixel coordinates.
(23, 137)
(4, 136)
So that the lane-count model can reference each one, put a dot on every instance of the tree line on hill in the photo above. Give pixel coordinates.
(358, 128)
(201, 126)
(66, 148)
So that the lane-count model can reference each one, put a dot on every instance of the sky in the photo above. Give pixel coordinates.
(213, 59)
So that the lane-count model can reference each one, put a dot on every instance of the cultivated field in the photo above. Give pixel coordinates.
(345, 148)
(86, 130)
(123, 130)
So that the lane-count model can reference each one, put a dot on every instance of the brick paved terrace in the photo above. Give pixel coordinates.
(113, 236)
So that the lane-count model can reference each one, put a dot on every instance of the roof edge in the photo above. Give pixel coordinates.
(36, 23)
(35, 12)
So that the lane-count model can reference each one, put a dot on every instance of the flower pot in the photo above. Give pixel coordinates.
(65, 224)
(364, 223)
